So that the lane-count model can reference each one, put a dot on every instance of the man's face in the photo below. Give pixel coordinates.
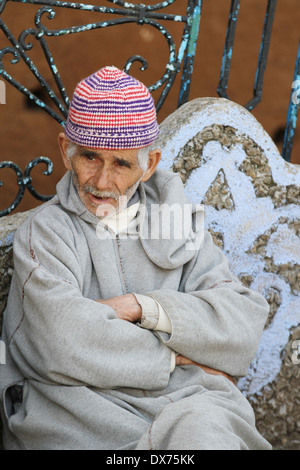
(105, 179)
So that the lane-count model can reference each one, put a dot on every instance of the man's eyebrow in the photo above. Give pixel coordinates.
(84, 152)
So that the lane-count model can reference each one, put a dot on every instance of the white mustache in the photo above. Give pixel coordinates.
(86, 188)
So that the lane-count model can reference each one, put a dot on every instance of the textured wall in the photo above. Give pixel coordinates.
(8, 225)
(252, 199)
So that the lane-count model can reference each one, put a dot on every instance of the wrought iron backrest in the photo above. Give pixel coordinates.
(181, 58)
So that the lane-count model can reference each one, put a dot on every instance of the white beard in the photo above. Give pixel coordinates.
(103, 210)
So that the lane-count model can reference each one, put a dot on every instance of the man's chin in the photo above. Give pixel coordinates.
(104, 210)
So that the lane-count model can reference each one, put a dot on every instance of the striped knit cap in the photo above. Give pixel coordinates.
(111, 110)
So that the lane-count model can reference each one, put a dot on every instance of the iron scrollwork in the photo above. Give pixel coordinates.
(24, 181)
(180, 59)
(260, 71)
(263, 54)
(293, 111)
(126, 13)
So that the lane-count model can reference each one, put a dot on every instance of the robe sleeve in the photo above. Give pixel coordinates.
(56, 335)
(216, 320)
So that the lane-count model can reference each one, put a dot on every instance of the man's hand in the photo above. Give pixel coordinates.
(184, 361)
(126, 307)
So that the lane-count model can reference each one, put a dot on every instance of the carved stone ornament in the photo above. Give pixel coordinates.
(252, 208)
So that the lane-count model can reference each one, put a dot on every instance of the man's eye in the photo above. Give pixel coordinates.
(122, 163)
(90, 158)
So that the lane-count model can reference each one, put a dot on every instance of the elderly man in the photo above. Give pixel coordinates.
(116, 338)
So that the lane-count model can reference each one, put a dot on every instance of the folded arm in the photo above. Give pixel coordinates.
(129, 309)
(58, 335)
(215, 320)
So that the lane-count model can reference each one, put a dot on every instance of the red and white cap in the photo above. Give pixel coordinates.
(112, 110)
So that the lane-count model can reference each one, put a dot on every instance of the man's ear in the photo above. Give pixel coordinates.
(63, 145)
(153, 161)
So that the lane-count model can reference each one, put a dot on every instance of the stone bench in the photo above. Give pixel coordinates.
(252, 208)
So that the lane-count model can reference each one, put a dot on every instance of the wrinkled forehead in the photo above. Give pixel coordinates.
(130, 154)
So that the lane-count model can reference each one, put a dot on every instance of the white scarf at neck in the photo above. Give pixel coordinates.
(120, 221)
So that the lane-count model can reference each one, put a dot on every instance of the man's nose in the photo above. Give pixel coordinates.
(103, 179)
